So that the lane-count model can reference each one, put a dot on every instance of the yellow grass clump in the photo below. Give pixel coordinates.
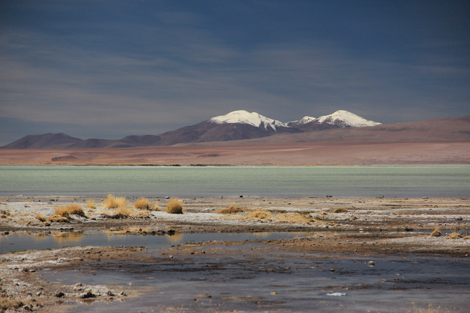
(258, 215)
(69, 209)
(155, 207)
(230, 210)
(120, 212)
(454, 236)
(174, 206)
(75, 209)
(142, 204)
(91, 204)
(41, 217)
(59, 219)
(112, 202)
(436, 233)
(294, 218)
(341, 211)
(141, 214)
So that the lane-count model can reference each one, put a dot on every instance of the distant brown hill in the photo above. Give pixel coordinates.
(455, 129)
(45, 141)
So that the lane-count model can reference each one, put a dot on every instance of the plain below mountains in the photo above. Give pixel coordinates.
(243, 125)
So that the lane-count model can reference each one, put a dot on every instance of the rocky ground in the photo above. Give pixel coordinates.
(387, 226)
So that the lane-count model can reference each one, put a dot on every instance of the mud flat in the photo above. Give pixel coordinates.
(325, 254)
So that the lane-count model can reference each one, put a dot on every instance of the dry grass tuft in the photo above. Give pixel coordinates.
(59, 219)
(61, 211)
(341, 211)
(112, 202)
(75, 209)
(70, 209)
(91, 204)
(230, 210)
(41, 217)
(120, 212)
(142, 204)
(258, 215)
(294, 218)
(141, 214)
(155, 207)
(174, 206)
(466, 237)
(454, 236)
(7, 304)
(5, 213)
(436, 233)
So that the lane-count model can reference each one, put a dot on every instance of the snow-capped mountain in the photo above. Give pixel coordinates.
(245, 117)
(236, 125)
(338, 119)
(345, 118)
(302, 121)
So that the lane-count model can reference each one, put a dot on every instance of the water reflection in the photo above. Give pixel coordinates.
(42, 236)
(67, 237)
(152, 238)
(175, 238)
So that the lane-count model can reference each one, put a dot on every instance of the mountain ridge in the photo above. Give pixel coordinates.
(228, 128)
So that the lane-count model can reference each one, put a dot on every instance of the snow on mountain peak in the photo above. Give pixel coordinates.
(245, 117)
(348, 118)
(303, 120)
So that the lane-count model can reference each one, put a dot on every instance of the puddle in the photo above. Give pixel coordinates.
(20, 242)
(240, 278)
(249, 281)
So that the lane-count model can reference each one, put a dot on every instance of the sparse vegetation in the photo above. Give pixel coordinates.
(174, 206)
(155, 207)
(436, 233)
(4, 213)
(431, 309)
(258, 215)
(58, 219)
(41, 217)
(91, 204)
(142, 204)
(454, 236)
(120, 212)
(112, 202)
(230, 210)
(7, 304)
(294, 217)
(141, 214)
(69, 209)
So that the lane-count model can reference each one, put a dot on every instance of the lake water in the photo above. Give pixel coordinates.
(154, 181)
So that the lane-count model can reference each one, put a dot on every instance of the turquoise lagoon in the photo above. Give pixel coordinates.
(265, 181)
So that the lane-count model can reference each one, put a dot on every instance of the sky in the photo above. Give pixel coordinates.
(112, 68)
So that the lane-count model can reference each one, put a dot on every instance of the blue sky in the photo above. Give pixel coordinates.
(107, 69)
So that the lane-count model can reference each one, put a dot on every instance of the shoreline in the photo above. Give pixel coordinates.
(260, 214)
